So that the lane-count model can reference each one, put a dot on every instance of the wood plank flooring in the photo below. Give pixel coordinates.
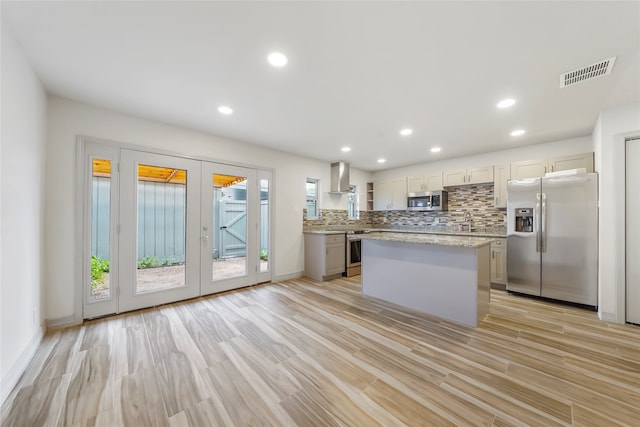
(310, 353)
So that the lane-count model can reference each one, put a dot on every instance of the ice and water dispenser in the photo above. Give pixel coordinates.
(524, 220)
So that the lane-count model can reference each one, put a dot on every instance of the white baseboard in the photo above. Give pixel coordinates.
(284, 277)
(62, 322)
(12, 377)
(609, 317)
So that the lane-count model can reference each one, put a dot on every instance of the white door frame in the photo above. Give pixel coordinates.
(100, 148)
(129, 298)
(208, 283)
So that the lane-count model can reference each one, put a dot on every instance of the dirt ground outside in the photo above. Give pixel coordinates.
(150, 279)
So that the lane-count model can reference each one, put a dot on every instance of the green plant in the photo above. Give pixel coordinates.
(99, 266)
(153, 262)
(264, 254)
(148, 262)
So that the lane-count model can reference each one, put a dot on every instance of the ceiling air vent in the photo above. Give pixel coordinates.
(589, 72)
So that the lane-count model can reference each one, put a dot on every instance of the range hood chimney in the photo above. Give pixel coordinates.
(339, 177)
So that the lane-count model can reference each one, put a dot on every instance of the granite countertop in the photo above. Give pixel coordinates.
(465, 241)
(324, 232)
(445, 233)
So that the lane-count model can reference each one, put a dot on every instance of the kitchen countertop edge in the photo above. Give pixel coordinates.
(430, 239)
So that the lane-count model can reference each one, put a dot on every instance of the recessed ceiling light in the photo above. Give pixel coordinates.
(436, 149)
(518, 132)
(406, 132)
(506, 103)
(277, 59)
(382, 160)
(346, 149)
(223, 109)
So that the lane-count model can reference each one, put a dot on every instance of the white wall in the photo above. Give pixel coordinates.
(611, 130)
(529, 152)
(22, 158)
(67, 119)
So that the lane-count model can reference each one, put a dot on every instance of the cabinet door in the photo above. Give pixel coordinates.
(480, 175)
(455, 177)
(501, 174)
(499, 262)
(399, 194)
(382, 195)
(334, 258)
(433, 181)
(584, 160)
(528, 169)
(415, 184)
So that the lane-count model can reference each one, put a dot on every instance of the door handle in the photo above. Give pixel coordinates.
(224, 227)
(537, 222)
(543, 237)
(205, 237)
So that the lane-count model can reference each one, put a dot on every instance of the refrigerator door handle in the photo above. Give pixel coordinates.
(536, 222)
(543, 237)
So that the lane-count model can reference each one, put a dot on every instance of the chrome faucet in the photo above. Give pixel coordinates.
(467, 219)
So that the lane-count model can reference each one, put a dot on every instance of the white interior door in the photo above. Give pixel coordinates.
(159, 253)
(633, 231)
(229, 242)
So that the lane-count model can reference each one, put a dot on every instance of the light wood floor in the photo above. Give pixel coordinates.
(319, 354)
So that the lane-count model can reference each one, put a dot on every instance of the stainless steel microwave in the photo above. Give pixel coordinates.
(428, 201)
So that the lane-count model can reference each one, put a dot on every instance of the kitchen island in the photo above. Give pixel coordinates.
(442, 275)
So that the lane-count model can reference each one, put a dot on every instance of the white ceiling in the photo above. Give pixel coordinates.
(358, 72)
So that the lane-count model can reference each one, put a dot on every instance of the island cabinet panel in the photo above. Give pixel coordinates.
(445, 281)
(324, 255)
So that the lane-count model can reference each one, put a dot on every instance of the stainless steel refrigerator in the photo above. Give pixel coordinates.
(552, 237)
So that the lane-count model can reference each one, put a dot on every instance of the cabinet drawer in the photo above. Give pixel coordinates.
(334, 238)
(498, 243)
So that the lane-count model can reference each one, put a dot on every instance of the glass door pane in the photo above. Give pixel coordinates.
(100, 216)
(264, 226)
(162, 213)
(159, 254)
(229, 225)
(100, 229)
(229, 242)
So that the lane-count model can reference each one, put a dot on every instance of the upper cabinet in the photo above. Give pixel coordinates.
(390, 194)
(501, 174)
(429, 182)
(479, 175)
(584, 160)
(538, 168)
(528, 169)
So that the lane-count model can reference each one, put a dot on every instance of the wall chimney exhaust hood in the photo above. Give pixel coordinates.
(339, 178)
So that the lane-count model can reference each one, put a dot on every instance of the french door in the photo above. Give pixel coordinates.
(161, 228)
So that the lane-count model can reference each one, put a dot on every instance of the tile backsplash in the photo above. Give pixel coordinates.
(475, 199)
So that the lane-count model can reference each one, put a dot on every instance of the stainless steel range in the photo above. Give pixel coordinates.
(354, 247)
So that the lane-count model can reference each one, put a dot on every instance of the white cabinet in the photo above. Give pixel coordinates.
(584, 160)
(501, 174)
(429, 182)
(433, 181)
(479, 175)
(324, 255)
(390, 194)
(539, 167)
(499, 262)
(528, 169)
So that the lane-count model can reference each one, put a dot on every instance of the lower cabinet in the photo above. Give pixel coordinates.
(324, 255)
(499, 263)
